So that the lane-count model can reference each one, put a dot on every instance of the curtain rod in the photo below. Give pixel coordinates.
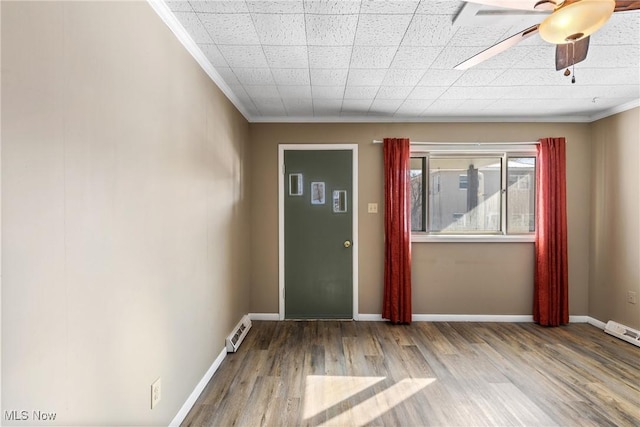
(377, 141)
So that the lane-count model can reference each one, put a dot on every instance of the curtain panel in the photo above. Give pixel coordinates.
(397, 230)
(551, 283)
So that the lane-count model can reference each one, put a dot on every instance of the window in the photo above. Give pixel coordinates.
(473, 193)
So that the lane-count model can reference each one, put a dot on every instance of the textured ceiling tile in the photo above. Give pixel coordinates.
(327, 92)
(281, 6)
(402, 77)
(244, 56)
(622, 28)
(543, 57)
(291, 76)
(330, 30)
(381, 30)
(439, 7)
(429, 30)
(512, 57)
(262, 91)
(298, 107)
(474, 93)
(332, 7)
(385, 106)
(612, 56)
(329, 56)
(440, 77)
(474, 106)
(415, 57)
(389, 6)
(365, 77)
(230, 28)
(329, 107)
(536, 77)
(413, 107)
(478, 77)
(394, 92)
(427, 92)
(442, 106)
(254, 76)
(328, 77)
(228, 76)
(298, 91)
(216, 6)
(287, 56)
(481, 37)
(538, 92)
(179, 6)
(214, 55)
(452, 56)
(356, 106)
(607, 76)
(194, 27)
(280, 29)
(361, 92)
(372, 56)
(270, 106)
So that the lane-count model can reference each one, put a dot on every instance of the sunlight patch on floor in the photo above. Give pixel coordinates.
(324, 392)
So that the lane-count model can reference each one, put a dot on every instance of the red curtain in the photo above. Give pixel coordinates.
(396, 303)
(551, 285)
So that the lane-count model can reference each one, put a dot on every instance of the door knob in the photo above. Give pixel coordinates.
(347, 244)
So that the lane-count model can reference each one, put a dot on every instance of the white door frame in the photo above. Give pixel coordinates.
(354, 210)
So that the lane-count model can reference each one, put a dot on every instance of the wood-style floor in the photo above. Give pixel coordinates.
(426, 374)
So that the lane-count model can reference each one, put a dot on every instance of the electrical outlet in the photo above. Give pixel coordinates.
(156, 392)
(631, 297)
(372, 208)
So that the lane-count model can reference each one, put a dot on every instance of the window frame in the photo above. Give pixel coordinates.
(496, 150)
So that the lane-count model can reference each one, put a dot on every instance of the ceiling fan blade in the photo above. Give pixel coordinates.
(508, 4)
(565, 55)
(497, 48)
(622, 6)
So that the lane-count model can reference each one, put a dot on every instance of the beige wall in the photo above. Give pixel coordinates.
(124, 214)
(615, 225)
(448, 278)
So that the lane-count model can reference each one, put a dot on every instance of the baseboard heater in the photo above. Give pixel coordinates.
(623, 332)
(236, 337)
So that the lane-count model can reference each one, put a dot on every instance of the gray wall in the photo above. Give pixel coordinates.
(124, 214)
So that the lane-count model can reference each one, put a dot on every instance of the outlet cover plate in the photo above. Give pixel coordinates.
(156, 392)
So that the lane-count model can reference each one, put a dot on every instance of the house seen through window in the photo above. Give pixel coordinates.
(481, 193)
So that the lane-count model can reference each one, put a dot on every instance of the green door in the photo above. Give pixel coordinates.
(318, 257)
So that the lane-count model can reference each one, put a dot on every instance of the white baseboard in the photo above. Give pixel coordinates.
(264, 316)
(455, 318)
(191, 400)
(370, 317)
(595, 322)
(509, 318)
(472, 318)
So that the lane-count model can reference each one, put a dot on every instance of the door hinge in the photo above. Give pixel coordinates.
(283, 293)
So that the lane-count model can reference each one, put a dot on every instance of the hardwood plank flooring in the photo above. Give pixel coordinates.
(339, 373)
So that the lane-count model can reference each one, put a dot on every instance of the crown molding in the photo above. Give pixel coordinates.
(163, 11)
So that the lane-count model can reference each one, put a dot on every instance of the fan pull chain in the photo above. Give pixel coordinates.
(573, 66)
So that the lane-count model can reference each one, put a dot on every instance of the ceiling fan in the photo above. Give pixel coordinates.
(568, 26)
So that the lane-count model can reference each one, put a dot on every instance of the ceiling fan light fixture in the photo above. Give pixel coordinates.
(576, 20)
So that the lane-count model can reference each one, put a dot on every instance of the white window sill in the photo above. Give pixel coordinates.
(462, 238)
